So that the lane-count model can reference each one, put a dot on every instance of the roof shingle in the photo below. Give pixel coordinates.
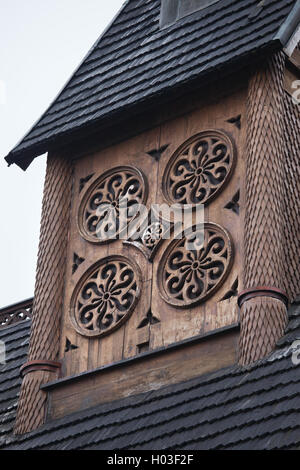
(16, 340)
(255, 407)
(135, 60)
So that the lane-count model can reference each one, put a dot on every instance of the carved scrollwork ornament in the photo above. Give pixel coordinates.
(199, 168)
(106, 296)
(195, 266)
(150, 235)
(111, 203)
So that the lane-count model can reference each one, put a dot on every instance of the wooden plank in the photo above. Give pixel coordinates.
(143, 152)
(152, 372)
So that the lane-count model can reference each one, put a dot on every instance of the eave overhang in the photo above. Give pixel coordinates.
(284, 39)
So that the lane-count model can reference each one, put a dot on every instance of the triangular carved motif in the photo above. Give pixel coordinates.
(149, 319)
(157, 153)
(77, 261)
(233, 292)
(83, 181)
(236, 121)
(69, 346)
(234, 205)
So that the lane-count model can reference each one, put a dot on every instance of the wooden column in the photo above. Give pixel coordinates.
(292, 195)
(48, 297)
(263, 310)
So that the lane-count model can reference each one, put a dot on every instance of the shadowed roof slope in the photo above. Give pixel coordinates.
(16, 340)
(257, 407)
(135, 61)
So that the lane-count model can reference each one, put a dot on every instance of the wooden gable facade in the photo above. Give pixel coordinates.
(113, 318)
(157, 318)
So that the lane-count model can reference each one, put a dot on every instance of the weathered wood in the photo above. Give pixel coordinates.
(263, 320)
(51, 273)
(149, 372)
(16, 313)
(150, 153)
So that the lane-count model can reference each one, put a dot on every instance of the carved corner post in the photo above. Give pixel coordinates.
(292, 191)
(263, 309)
(47, 308)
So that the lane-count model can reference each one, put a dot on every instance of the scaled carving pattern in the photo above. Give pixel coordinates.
(266, 316)
(48, 294)
(194, 267)
(291, 212)
(264, 229)
(105, 296)
(117, 192)
(199, 169)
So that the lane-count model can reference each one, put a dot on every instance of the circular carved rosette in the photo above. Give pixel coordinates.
(152, 235)
(105, 296)
(110, 203)
(195, 266)
(199, 168)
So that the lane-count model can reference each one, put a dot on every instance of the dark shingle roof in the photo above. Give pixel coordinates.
(134, 60)
(16, 339)
(257, 407)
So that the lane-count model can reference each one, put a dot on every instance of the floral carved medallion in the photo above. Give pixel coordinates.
(195, 266)
(199, 168)
(110, 204)
(152, 232)
(105, 296)
(152, 235)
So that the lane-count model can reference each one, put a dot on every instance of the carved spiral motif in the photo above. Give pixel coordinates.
(152, 235)
(106, 296)
(194, 267)
(110, 203)
(199, 168)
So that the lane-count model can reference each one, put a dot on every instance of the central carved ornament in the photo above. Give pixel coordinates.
(152, 235)
(195, 266)
(105, 296)
(199, 168)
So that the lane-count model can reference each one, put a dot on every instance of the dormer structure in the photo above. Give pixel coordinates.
(187, 106)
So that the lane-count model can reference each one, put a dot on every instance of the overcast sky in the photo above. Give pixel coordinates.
(41, 44)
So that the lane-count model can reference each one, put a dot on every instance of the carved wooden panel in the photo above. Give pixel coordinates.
(117, 189)
(127, 296)
(199, 168)
(195, 266)
(105, 296)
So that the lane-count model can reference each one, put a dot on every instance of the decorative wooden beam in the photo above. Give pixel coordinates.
(263, 291)
(49, 366)
(16, 313)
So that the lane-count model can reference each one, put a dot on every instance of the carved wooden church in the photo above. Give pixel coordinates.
(143, 341)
